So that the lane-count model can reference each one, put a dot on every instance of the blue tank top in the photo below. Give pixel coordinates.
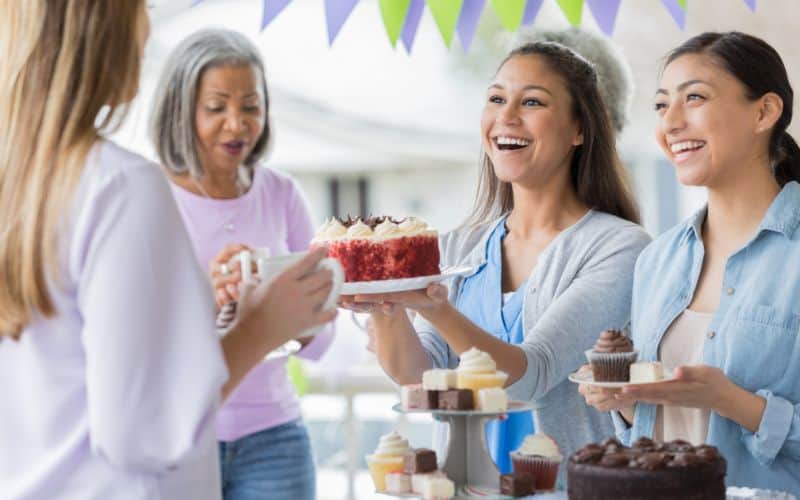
(481, 300)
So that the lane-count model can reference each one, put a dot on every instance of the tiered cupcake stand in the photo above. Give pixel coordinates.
(466, 461)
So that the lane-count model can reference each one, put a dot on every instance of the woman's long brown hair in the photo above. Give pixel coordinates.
(595, 171)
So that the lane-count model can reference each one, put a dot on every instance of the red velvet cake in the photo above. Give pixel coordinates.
(381, 248)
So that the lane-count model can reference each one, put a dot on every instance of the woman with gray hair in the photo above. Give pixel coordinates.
(210, 126)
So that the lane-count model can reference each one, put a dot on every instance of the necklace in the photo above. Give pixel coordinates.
(242, 180)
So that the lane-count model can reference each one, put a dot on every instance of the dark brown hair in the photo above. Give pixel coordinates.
(758, 66)
(595, 170)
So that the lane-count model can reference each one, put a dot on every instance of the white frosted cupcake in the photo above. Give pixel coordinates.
(388, 458)
(538, 456)
(477, 370)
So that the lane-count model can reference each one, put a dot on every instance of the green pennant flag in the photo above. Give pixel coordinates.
(294, 369)
(445, 13)
(682, 3)
(573, 9)
(510, 12)
(394, 13)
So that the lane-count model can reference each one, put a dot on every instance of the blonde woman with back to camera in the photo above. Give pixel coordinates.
(111, 365)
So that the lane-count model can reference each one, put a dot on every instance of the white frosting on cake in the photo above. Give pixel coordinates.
(333, 229)
(392, 444)
(475, 361)
(388, 228)
(359, 230)
(539, 444)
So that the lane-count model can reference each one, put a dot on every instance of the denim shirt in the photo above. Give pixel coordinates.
(753, 337)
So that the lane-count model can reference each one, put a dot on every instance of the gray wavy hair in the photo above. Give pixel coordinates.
(614, 75)
(172, 122)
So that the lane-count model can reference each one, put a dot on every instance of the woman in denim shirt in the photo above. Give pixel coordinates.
(717, 296)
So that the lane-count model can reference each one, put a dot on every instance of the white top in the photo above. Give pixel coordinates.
(114, 398)
(682, 345)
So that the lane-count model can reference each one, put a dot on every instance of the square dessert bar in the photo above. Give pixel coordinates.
(439, 379)
(456, 399)
(419, 461)
(517, 484)
(414, 397)
(397, 482)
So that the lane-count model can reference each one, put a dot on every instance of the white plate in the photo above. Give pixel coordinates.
(513, 407)
(586, 377)
(404, 284)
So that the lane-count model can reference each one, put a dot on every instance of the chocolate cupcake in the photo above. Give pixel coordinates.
(612, 357)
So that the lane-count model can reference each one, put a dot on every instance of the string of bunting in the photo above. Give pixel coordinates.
(401, 17)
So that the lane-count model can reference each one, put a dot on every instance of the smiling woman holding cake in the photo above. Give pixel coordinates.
(552, 239)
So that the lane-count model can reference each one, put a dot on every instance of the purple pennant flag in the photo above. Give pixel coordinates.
(336, 13)
(413, 16)
(676, 11)
(605, 13)
(271, 9)
(751, 4)
(468, 21)
(195, 2)
(531, 9)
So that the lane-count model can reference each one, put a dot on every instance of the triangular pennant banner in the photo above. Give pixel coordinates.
(605, 13)
(412, 23)
(677, 10)
(573, 9)
(531, 9)
(510, 12)
(751, 4)
(468, 21)
(445, 13)
(195, 2)
(336, 13)
(393, 13)
(271, 9)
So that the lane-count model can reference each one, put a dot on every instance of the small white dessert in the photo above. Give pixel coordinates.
(438, 379)
(492, 399)
(398, 482)
(439, 488)
(646, 371)
(418, 481)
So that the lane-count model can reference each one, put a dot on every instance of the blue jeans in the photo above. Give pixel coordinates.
(272, 464)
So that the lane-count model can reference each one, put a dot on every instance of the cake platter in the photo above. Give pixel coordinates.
(404, 284)
(586, 377)
(466, 460)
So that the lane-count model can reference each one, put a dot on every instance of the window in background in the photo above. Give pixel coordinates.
(348, 196)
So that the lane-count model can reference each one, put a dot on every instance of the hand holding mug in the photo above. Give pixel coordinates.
(226, 274)
(319, 280)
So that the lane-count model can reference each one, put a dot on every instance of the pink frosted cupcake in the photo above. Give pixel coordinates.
(539, 457)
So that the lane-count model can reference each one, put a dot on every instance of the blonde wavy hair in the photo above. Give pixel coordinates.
(68, 68)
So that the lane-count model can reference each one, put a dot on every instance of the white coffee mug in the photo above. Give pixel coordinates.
(269, 267)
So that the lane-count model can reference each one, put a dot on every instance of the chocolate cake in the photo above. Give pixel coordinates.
(646, 470)
(380, 248)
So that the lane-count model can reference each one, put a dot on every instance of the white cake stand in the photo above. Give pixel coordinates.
(467, 461)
